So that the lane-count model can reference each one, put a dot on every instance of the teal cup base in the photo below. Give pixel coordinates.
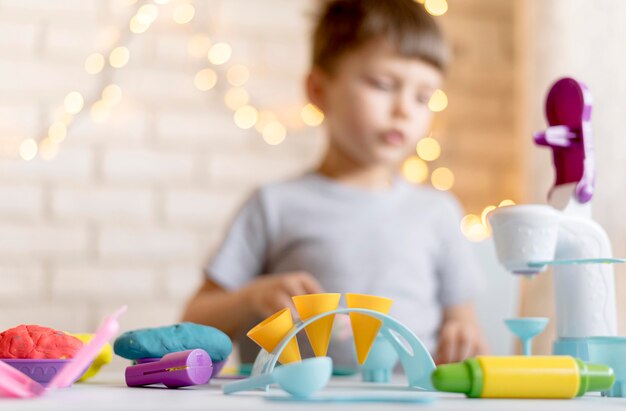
(575, 347)
(610, 351)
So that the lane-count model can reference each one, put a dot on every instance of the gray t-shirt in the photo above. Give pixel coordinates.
(403, 243)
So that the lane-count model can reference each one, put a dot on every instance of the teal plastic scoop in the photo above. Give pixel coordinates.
(301, 379)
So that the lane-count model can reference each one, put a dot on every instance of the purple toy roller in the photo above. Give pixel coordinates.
(174, 370)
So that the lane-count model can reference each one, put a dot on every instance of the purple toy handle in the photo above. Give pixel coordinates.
(568, 110)
(174, 370)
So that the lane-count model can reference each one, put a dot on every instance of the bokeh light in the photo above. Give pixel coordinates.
(220, 53)
(438, 101)
(274, 133)
(472, 228)
(73, 102)
(28, 149)
(311, 115)
(436, 7)
(112, 95)
(136, 27)
(184, 13)
(428, 149)
(205, 79)
(245, 117)
(442, 179)
(147, 14)
(94, 63)
(119, 57)
(505, 203)
(57, 132)
(415, 170)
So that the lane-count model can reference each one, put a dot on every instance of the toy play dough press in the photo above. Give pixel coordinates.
(36, 342)
(157, 342)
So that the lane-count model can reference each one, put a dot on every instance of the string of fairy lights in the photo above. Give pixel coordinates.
(246, 115)
(474, 227)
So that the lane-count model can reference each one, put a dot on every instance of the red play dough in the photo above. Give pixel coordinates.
(34, 341)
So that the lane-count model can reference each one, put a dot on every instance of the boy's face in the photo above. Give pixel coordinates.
(375, 103)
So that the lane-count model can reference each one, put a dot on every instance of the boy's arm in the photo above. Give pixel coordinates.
(460, 336)
(213, 305)
(234, 311)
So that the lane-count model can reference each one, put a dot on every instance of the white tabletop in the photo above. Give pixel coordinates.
(108, 392)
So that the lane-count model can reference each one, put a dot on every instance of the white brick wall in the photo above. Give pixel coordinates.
(30, 242)
(198, 207)
(146, 245)
(130, 209)
(147, 166)
(21, 201)
(35, 84)
(18, 37)
(103, 204)
(70, 166)
(18, 118)
(86, 283)
(18, 278)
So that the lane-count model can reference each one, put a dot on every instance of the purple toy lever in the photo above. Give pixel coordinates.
(174, 370)
(568, 110)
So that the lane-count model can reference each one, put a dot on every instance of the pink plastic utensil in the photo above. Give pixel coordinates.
(15, 384)
(70, 373)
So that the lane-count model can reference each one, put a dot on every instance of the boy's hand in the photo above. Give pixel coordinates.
(271, 293)
(460, 336)
(459, 340)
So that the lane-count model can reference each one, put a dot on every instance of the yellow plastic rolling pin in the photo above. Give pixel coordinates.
(523, 377)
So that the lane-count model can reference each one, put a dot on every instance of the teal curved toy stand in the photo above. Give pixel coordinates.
(416, 360)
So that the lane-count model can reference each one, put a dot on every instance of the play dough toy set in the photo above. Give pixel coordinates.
(588, 356)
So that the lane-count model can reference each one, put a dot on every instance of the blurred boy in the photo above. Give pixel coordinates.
(353, 225)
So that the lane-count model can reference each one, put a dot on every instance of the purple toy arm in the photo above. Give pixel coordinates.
(568, 110)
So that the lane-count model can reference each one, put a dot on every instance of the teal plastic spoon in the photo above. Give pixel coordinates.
(300, 379)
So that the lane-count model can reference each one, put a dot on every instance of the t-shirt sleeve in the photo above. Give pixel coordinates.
(242, 254)
(457, 267)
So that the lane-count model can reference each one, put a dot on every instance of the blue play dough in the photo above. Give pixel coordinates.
(156, 342)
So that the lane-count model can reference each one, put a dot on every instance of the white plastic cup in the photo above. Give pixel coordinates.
(523, 234)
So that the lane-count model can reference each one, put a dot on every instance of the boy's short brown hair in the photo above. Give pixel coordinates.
(344, 25)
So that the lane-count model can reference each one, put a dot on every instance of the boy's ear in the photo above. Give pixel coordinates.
(315, 87)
